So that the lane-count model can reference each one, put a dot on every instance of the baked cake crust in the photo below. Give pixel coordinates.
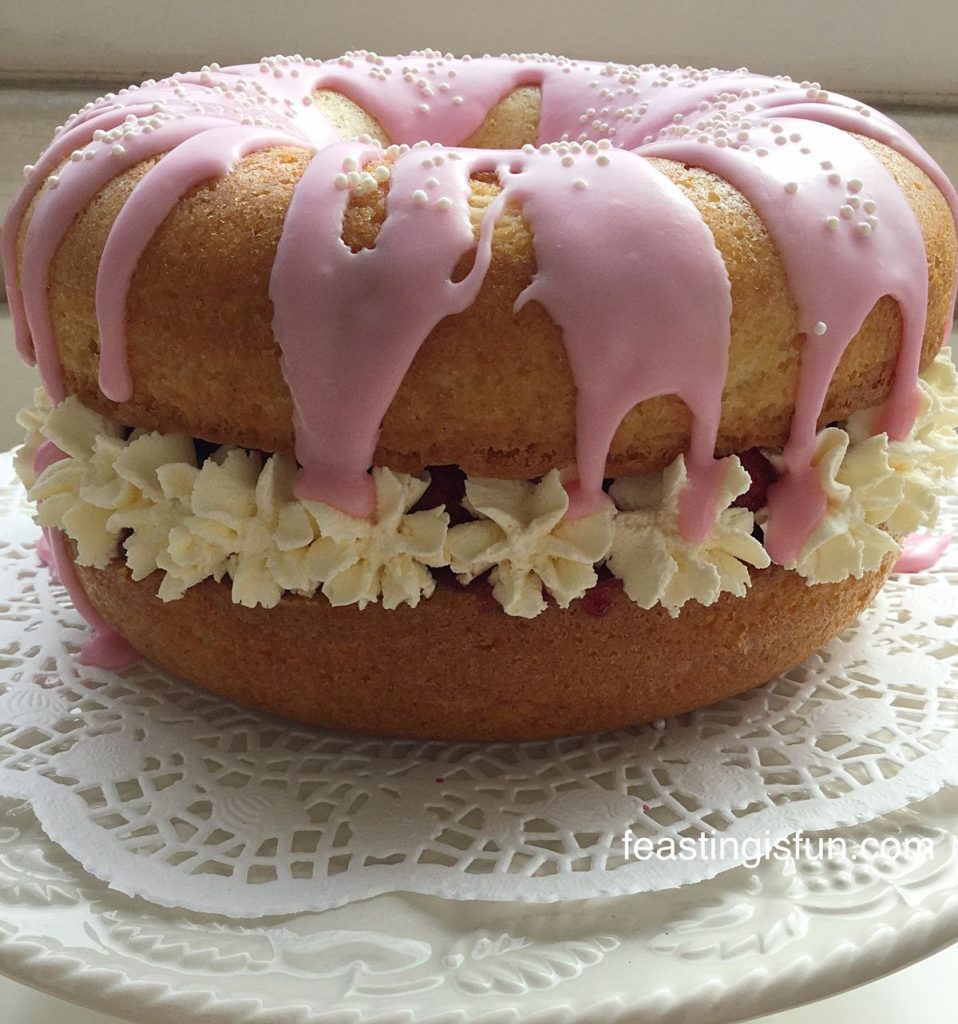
(588, 272)
(490, 390)
(455, 667)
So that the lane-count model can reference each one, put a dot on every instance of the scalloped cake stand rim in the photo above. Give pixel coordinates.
(820, 965)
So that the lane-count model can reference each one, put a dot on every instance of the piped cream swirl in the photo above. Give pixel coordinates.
(235, 515)
(657, 564)
(523, 535)
(878, 489)
(927, 460)
(862, 491)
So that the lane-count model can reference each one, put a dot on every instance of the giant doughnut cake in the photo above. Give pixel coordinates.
(481, 398)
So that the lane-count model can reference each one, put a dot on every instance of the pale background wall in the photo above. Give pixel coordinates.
(893, 50)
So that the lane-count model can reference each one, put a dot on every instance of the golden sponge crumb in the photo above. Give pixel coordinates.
(490, 391)
(456, 667)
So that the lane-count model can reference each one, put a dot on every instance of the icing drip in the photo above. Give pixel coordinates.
(45, 554)
(147, 499)
(55, 210)
(861, 492)
(105, 647)
(921, 551)
(616, 244)
(837, 270)
(656, 319)
(349, 324)
(80, 134)
(205, 155)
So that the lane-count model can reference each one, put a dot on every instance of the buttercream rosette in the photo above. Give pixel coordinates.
(150, 499)
(523, 535)
(657, 565)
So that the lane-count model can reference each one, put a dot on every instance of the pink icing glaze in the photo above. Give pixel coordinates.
(836, 275)
(625, 264)
(415, 105)
(57, 151)
(45, 554)
(46, 454)
(55, 210)
(920, 551)
(385, 298)
(201, 157)
(105, 648)
(623, 315)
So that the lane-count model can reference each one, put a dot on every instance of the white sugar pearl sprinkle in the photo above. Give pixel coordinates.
(820, 328)
(419, 196)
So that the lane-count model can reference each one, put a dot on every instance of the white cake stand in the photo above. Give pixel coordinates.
(744, 943)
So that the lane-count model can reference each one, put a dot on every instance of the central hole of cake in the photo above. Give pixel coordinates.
(510, 124)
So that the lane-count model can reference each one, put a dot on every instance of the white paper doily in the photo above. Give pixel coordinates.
(744, 943)
(189, 801)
